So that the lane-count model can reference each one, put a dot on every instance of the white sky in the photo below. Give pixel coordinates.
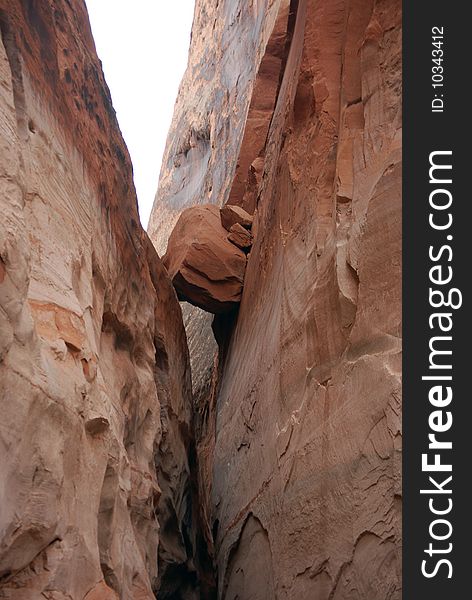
(143, 45)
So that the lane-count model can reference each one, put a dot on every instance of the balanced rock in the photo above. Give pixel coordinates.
(240, 237)
(231, 214)
(206, 269)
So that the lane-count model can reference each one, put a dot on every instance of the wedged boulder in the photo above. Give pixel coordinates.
(231, 214)
(206, 269)
(240, 237)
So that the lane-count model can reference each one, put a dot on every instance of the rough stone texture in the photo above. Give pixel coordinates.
(205, 268)
(292, 112)
(229, 43)
(232, 215)
(236, 48)
(94, 368)
(298, 427)
(240, 236)
(229, 40)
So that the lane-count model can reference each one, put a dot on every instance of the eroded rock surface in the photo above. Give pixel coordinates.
(235, 50)
(235, 215)
(204, 266)
(96, 435)
(240, 236)
(298, 416)
(291, 111)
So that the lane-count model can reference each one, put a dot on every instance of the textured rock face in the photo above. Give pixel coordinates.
(235, 215)
(236, 50)
(94, 370)
(205, 268)
(240, 236)
(229, 41)
(298, 421)
(291, 111)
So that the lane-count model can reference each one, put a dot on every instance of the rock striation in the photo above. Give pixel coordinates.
(96, 441)
(247, 445)
(292, 111)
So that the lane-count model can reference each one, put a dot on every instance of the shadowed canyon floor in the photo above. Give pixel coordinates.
(250, 450)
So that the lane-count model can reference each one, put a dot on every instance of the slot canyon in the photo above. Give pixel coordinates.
(210, 409)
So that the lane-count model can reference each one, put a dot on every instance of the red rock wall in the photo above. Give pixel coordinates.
(291, 110)
(299, 430)
(95, 396)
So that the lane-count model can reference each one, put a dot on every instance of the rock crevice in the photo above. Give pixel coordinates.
(298, 407)
(247, 445)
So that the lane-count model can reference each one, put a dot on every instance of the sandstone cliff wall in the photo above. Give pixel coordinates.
(95, 396)
(285, 467)
(298, 412)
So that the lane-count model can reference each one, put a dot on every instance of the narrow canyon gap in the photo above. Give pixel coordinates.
(292, 110)
(150, 448)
